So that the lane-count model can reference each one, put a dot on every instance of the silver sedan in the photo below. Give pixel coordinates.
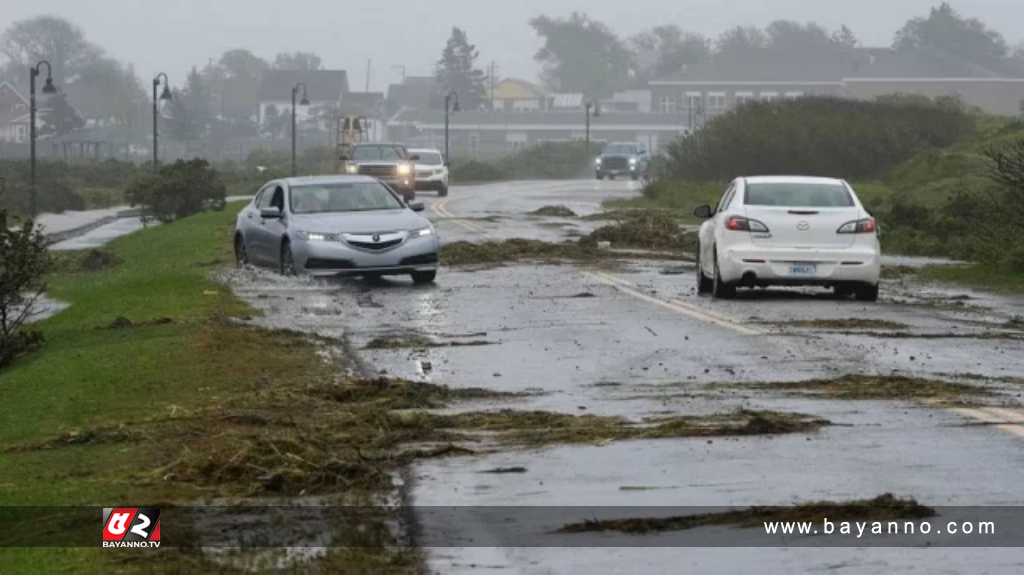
(336, 225)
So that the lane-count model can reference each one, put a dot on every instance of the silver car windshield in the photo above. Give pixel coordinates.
(430, 159)
(342, 197)
(803, 195)
(365, 153)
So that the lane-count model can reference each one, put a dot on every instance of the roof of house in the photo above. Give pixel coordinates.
(932, 63)
(517, 89)
(240, 97)
(321, 85)
(414, 92)
(12, 104)
(363, 103)
(869, 62)
(89, 99)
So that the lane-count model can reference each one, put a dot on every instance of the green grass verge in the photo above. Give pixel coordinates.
(678, 197)
(977, 276)
(180, 355)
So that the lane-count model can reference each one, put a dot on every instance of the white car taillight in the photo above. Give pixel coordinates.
(865, 226)
(741, 224)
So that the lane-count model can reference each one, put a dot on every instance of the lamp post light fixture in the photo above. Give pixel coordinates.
(591, 106)
(165, 96)
(48, 88)
(303, 102)
(451, 104)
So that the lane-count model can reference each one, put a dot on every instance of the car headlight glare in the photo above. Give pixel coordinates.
(352, 169)
(597, 161)
(632, 161)
(404, 169)
(428, 231)
(317, 236)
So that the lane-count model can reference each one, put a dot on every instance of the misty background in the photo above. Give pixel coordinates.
(173, 35)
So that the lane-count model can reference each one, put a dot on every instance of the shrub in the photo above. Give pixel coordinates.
(824, 136)
(475, 171)
(178, 190)
(23, 262)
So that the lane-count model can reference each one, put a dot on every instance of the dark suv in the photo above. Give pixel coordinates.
(622, 159)
(389, 163)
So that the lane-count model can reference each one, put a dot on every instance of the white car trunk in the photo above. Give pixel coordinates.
(803, 228)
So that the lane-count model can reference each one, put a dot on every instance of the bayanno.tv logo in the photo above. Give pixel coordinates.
(131, 528)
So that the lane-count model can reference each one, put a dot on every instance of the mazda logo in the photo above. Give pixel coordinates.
(376, 237)
(803, 226)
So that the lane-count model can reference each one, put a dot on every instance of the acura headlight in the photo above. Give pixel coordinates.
(428, 231)
(317, 236)
(404, 169)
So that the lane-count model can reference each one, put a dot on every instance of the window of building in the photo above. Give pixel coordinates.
(22, 133)
(769, 96)
(716, 101)
(794, 95)
(744, 98)
(694, 100)
(667, 104)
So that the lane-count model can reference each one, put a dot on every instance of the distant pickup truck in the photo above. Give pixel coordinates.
(389, 163)
(622, 159)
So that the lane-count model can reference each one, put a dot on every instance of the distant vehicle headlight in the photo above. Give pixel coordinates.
(428, 231)
(597, 161)
(352, 169)
(632, 161)
(404, 169)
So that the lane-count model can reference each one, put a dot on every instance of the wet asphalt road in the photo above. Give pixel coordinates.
(633, 339)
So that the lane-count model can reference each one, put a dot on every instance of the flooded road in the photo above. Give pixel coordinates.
(631, 338)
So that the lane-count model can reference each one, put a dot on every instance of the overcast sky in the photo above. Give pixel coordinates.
(173, 35)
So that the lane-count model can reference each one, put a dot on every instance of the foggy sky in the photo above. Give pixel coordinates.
(172, 35)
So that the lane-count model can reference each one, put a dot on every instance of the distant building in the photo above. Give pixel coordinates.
(415, 92)
(704, 92)
(14, 115)
(518, 95)
(487, 134)
(324, 88)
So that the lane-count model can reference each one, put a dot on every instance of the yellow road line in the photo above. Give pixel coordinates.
(674, 305)
(441, 209)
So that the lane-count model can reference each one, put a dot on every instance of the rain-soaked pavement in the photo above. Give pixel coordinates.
(633, 339)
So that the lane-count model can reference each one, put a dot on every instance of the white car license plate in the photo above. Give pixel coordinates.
(803, 269)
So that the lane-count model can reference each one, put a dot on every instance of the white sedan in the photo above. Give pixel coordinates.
(789, 231)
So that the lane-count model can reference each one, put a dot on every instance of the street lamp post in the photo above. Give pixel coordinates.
(449, 107)
(303, 102)
(48, 88)
(590, 105)
(164, 96)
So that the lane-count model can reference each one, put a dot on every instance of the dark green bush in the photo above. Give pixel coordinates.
(816, 136)
(24, 261)
(178, 190)
(476, 171)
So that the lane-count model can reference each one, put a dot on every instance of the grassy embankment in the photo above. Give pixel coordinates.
(97, 416)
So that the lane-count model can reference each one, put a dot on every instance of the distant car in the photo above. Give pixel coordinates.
(336, 225)
(622, 159)
(390, 163)
(431, 170)
(789, 231)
